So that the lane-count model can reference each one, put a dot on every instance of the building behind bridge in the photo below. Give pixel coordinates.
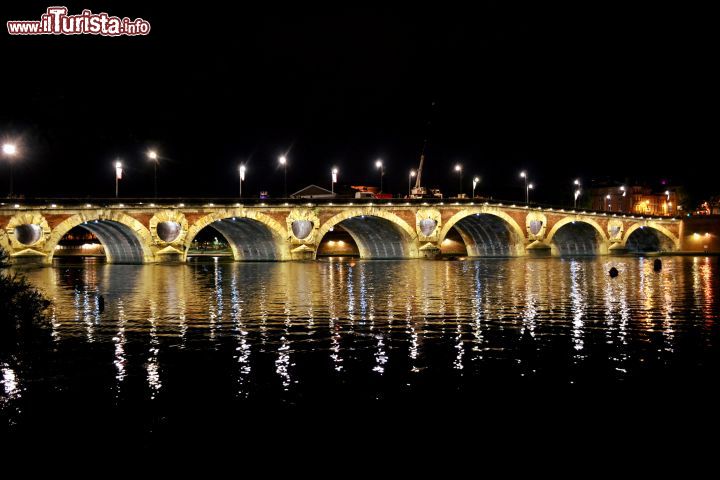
(635, 199)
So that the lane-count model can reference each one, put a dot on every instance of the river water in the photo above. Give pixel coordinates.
(214, 344)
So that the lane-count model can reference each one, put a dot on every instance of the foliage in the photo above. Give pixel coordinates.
(22, 307)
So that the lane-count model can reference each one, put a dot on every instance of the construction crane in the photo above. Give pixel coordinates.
(419, 191)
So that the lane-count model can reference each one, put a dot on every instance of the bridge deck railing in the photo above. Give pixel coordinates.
(230, 202)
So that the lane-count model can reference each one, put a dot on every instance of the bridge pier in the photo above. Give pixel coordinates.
(31, 259)
(538, 248)
(617, 248)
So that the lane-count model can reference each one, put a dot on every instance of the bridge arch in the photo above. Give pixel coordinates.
(487, 232)
(377, 233)
(252, 235)
(577, 236)
(125, 239)
(650, 238)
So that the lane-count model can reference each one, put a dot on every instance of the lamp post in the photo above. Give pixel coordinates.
(410, 177)
(577, 192)
(10, 150)
(523, 175)
(118, 176)
(458, 168)
(607, 203)
(476, 180)
(379, 165)
(242, 177)
(334, 177)
(529, 187)
(283, 162)
(153, 156)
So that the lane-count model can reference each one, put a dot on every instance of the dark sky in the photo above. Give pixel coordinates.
(562, 91)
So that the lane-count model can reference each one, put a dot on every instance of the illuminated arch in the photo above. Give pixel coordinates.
(252, 235)
(124, 238)
(377, 232)
(487, 232)
(655, 227)
(582, 245)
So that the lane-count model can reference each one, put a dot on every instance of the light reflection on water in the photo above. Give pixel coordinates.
(286, 329)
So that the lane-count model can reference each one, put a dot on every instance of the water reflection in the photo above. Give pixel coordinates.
(290, 329)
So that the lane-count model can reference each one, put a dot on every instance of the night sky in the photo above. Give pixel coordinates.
(561, 91)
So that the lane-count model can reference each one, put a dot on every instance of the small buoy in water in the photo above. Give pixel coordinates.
(101, 303)
(657, 265)
(613, 272)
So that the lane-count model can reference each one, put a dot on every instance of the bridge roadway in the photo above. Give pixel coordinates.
(146, 231)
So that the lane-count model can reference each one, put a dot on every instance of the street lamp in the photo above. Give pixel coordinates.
(577, 192)
(334, 176)
(10, 150)
(379, 165)
(242, 177)
(607, 204)
(458, 168)
(118, 176)
(153, 156)
(667, 194)
(283, 162)
(410, 177)
(523, 174)
(476, 180)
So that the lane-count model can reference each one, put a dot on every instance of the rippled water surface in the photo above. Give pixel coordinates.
(215, 342)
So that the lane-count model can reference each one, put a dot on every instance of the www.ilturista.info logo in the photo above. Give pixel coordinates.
(56, 21)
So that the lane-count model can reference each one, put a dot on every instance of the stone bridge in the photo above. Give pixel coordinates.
(144, 232)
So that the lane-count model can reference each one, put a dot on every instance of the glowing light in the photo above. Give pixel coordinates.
(378, 163)
(458, 167)
(9, 149)
(152, 155)
(282, 160)
(523, 174)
